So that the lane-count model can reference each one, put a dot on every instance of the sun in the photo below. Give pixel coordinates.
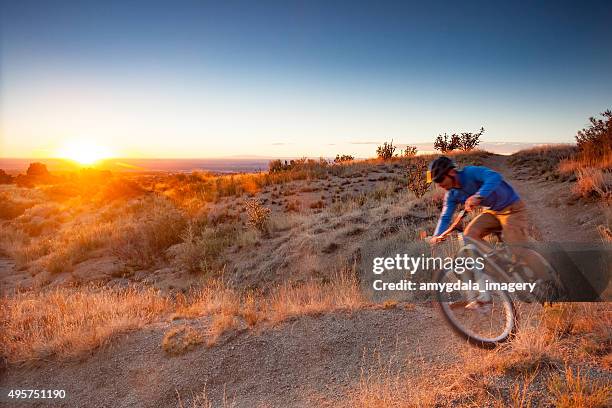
(84, 152)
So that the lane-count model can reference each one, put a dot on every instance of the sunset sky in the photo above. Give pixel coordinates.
(292, 78)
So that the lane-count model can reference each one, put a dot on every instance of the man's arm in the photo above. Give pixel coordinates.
(447, 214)
(490, 180)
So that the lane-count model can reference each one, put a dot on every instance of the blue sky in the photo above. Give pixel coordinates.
(203, 79)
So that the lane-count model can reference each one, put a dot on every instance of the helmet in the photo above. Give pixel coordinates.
(438, 169)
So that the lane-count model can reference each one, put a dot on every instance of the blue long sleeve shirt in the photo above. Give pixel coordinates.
(496, 193)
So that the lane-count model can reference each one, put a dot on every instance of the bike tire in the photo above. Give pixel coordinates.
(478, 341)
(544, 270)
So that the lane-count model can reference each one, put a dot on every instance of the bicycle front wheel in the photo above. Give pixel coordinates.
(492, 323)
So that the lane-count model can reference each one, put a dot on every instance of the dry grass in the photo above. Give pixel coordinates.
(388, 388)
(181, 339)
(202, 400)
(523, 373)
(573, 390)
(69, 322)
(342, 293)
(593, 182)
(230, 309)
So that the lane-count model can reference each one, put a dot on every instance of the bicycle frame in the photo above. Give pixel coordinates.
(495, 252)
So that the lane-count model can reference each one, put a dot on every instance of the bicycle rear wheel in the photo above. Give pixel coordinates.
(534, 268)
(485, 327)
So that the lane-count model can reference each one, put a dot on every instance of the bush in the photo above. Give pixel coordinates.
(344, 158)
(385, 151)
(10, 209)
(595, 141)
(140, 240)
(37, 169)
(409, 151)
(417, 181)
(258, 215)
(446, 143)
(469, 141)
(465, 141)
(201, 251)
(5, 178)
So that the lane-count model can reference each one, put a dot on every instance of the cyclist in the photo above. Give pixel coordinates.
(479, 186)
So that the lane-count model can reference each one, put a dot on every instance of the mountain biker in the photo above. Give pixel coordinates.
(478, 186)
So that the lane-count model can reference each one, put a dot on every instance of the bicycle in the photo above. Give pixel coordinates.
(496, 322)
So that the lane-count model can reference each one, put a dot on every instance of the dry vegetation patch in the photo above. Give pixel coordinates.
(181, 339)
(68, 322)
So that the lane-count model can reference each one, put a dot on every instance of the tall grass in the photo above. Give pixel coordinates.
(67, 322)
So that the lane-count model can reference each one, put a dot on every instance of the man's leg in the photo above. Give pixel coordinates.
(478, 229)
(515, 221)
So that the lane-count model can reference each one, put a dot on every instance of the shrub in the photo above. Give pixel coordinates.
(258, 216)
(417, 182)
(409, 151)
(386, 151)
(344, 158)
(5, 178)
(468, 141)
(465, 141)
(37, 169)
(10, 209)
(446, 143)
(595, 141)
(139, 240)
(593, 182)
(200, 251)
(275, 166)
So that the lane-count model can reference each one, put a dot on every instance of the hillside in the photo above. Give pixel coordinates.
(276, 316)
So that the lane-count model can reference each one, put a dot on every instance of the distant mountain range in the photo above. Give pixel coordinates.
(234, 164)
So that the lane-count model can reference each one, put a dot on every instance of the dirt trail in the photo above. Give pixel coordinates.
(293, 364)
(554, 216)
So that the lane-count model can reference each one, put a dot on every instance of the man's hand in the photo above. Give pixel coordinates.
(472, 202)
(437, 240)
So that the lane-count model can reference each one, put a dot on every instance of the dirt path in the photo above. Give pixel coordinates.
(293, 365)
(554, 216)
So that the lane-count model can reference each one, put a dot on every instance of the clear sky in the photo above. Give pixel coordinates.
(292, 78)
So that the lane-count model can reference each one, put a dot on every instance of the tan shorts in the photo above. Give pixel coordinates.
(511, 220)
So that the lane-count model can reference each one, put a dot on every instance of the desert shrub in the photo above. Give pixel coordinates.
(447, 143)
(10, 208)
(200, 251)
(343, 158)
(37, 169)
(416, 179)
(409, 151)
(276, 166)
(258, 216)
(75, 246)
(465, 141)
(141, 238)
(120, 188)
(593, 183)
(468, 141)
(385, 151)
(5, 178)
(595, 141)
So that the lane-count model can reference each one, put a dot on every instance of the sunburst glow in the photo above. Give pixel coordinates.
(84, 152)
